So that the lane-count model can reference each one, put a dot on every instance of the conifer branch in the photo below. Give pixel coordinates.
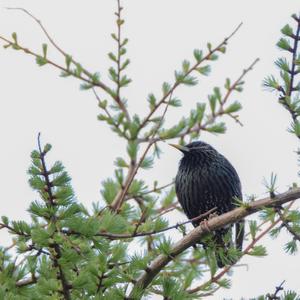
(277, 290)
(89, 80)
(214, 224)
(154, 190)
(140, 234)
(287, 225)
(118, 201)
(120, 22)
(211, 119)
(192, 69)
(224, 271)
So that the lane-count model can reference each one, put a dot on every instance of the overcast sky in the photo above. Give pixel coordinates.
(162, 34)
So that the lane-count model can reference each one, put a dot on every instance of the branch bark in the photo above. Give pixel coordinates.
(216, 223)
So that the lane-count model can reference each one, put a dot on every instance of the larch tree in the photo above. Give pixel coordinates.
(69, 251)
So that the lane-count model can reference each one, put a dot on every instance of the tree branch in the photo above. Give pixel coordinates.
(119, 199)
(211, 118)
(217, 277)
(278, 289)
(139, 234)
(287, 225)
(193, 68)
(214, 224)
(99, 83)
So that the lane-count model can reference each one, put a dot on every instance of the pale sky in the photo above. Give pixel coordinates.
(161, 34)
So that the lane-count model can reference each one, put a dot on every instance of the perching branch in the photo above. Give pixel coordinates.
(214, 224)
(224, 271)
(119, 199)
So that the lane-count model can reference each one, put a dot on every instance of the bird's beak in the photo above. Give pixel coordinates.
(180, 148)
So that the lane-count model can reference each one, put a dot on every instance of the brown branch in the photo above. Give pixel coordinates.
(224, 271)
(216, 223)
(133, 168)
(140, 222)
(164, 210)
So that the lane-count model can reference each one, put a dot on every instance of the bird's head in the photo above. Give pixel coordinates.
(194, 149)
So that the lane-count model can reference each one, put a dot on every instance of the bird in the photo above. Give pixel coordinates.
(207, 180)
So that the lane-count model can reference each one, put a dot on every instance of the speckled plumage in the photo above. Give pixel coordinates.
(206, 179)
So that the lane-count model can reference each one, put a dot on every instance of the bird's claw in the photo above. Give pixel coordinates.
(204, 223)
(212, 215)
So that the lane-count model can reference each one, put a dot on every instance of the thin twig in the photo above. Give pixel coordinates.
(154, 190)
(14, 243)
(114, 124)
(139, 234)
(117, 202)
(220, 112)
(139, 223)
(198, 127)
(176, 84)
(45, 172)
(100, 84)
(52, 63)
(165, 210)
(278, 289)
(287, 225)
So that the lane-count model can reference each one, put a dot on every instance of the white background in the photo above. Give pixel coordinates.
(162, 34)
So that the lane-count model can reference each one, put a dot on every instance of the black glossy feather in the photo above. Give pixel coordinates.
(206, 179)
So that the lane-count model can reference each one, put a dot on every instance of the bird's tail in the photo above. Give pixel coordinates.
(221, 251)
(223, 244)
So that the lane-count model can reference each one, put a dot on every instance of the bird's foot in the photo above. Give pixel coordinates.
(204, 223)
(213, 215)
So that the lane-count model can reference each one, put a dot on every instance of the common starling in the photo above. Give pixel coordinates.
(205, 180)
